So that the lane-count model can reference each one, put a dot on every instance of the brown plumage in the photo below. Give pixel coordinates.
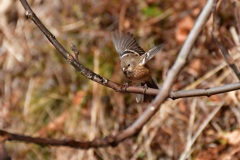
(133, 61)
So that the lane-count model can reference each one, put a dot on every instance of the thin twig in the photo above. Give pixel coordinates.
(228, 58)
(171, 76)
(205, 92)
(190, 129)
(93, 76)
(236, 16)
(136, 127)
(187, 151)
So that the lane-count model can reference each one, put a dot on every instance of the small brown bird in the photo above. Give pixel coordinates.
(133, 61)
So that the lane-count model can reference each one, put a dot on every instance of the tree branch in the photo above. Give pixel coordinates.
(152, 107)
(171, 76)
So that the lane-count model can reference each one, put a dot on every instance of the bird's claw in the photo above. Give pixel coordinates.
(125, 86)
(145, 87)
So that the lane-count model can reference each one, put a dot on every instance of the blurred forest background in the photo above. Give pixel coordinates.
(42, 95)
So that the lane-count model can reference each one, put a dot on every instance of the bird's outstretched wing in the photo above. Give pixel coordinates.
(125, 43)
(150, 54)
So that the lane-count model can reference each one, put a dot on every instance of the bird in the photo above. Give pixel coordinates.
(134, 60)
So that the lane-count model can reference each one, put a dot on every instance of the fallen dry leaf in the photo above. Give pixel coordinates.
(183, 28)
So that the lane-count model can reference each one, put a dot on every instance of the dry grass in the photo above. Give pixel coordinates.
(42, 95)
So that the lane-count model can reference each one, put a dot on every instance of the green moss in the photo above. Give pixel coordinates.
(151, 11)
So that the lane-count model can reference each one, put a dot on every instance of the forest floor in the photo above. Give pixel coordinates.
(42, 95)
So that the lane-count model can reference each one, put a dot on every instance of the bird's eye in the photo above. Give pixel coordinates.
(128, 65)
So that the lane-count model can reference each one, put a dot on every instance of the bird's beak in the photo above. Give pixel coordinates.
(124, 70)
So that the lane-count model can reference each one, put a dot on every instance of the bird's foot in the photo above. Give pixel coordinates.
(145, 87)
(125, 86)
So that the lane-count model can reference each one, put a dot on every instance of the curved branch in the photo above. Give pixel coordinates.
(171, 76)
(101, 80)
(54, 142)
(152, 108)
(74, 60)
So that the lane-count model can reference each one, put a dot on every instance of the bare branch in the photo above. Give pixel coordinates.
(136, 127)
(95, 77)
(54, 142)
(184, 53)
(236, 16)
(227, 57)
(171, 76)
(73, 60)
(204, 92)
